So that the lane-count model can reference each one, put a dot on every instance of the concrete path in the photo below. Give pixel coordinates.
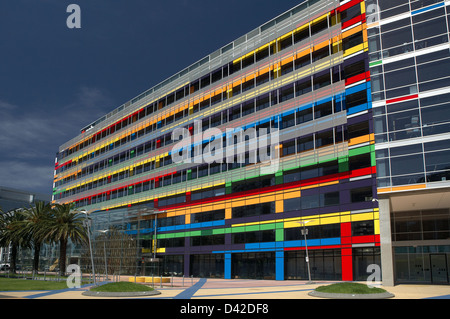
(198, 289)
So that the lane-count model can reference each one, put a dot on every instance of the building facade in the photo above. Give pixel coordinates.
(410, 76)
(305, 75)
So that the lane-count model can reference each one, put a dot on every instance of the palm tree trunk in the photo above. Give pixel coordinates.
(37, 250)
(13, 267)
(62, 256)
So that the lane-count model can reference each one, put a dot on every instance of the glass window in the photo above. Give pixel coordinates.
(437, 161)
(430, 28)
(407, 164)
(400, 78)
(403, 120)
(433, 70)
(435, 114)
(396, 38)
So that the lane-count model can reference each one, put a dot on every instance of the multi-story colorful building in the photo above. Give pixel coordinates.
(305, 74)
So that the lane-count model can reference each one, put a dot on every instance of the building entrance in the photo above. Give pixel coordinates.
(439, 269)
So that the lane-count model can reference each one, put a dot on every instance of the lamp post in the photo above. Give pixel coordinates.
(90, 244)
(305, 232)
(155, 245)
(104, 251)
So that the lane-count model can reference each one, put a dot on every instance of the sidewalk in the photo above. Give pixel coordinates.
(198, 289)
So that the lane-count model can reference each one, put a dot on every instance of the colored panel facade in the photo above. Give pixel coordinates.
(305, 75)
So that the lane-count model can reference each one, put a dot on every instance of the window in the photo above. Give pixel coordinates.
(350, 13)
(407, 164)
(363, 228)
(363, 194)
(305, 143)
(400, 78)
(354, 69)
(253, 210)
(430, 28)
(353, 40)
(323, 109)
(303, 87)
(324, 139)
(321, 81)
(208, 216)
(356, 99)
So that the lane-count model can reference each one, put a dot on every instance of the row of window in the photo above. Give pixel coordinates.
(298, 145)
(408, 34)
(231, 68)
(407, 78)
(362, 228)
(254, 105)
(408, 120)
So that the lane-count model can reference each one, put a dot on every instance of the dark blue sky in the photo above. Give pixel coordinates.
(55, 80)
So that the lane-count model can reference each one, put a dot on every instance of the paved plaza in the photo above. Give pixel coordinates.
(238, 289)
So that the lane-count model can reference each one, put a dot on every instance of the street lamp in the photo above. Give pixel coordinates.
(104, 250)
(156, 212)
(305, 232)
(90, 244)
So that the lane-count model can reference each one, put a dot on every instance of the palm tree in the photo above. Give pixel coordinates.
(10, 234)
(65, 225)
(34, 227)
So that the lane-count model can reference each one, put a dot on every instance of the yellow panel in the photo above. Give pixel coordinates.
(362, 217)
(359, 140)
(279, 206)
(354, 49)
(377, 227)
(238, 203)
(228, 212)
(330, 220)
(252, 201)
(294, 194)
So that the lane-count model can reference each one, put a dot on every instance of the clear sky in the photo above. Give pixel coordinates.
(55, 80)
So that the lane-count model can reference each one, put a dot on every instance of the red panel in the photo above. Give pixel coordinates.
(347, 264)
(348, 5)
(361, 18)
(405, 98)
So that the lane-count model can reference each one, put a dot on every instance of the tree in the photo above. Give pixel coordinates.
(34, 226)
(10, 235)
(65, 225)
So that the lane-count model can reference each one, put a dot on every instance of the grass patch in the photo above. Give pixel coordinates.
(12, 284)
(122, 287)
(349, 288)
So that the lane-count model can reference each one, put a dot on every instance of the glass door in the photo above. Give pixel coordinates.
(439, 269)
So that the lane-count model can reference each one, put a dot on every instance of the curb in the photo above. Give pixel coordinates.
(384, 295)
(121, 294)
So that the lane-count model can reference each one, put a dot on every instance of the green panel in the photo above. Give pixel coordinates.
(252, 228)
(220, 231)
(267, 226)
(279, 235)
(343, 164)
(240, 229)
(207, 232)
(359, 150)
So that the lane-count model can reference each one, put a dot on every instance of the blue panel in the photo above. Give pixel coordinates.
(428, 9)
(330, 241)
(279, 265)
(358, 108)
(357, 88)
(227, 266)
